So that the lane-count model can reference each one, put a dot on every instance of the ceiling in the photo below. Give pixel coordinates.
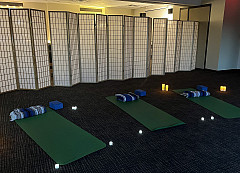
(133, 4)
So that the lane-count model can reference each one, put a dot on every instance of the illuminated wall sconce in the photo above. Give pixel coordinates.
(165, 87)
(223, 88)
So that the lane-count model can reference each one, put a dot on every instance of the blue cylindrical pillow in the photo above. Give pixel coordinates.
(127, 97)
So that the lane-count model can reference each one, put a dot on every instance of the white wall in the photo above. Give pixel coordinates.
(176, 11)
(161, 13)
(118, 11)
(229, 50)
(224, 36)
(215, 33)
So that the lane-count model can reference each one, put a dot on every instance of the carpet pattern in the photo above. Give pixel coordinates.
(210, 146)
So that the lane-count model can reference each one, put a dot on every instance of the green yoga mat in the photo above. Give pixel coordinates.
(62, 140)
(148, 115)
(215, 105)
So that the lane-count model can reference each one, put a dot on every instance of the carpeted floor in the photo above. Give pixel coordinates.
(210, 146)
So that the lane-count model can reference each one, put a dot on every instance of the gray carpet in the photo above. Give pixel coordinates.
(210, 146)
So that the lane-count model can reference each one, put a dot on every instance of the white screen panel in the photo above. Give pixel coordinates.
(140, 47)
(59, 40)
(149, 50)
(102, 47)
(159, 46)
(178, 46)
(23, 46)
(115, 26)
(74, 47)
(171, 46)
(195, 44)
(40, 45)
(87, 48)
(7, 70)
(128, 47)
(186, 46)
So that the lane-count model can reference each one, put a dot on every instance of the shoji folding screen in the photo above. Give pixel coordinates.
(59, 41)
(24, 61)
(128, 46)
(24, 49)
(74, 47)
(87, 48)
(116, 59)
(195, 44)
(149, 48)
(65, 48)
(172, 32)
(141, 47)
(90, 48)
(182, 38)
(39, 36)
(178, 45)
(30, 41)
(7, 70)
(187, 46)
(159, 46)
(102, 47)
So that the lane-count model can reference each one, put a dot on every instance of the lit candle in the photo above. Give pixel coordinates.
(223, 88)
(163, 87)
(166, 87)
(56, 166)
(74, 107)
(111, 143)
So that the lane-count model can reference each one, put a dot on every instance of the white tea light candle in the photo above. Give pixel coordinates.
(56, 166)
(74, 107)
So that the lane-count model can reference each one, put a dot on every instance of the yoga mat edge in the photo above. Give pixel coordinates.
(147, 114)
(62, 140)
(217, 106)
